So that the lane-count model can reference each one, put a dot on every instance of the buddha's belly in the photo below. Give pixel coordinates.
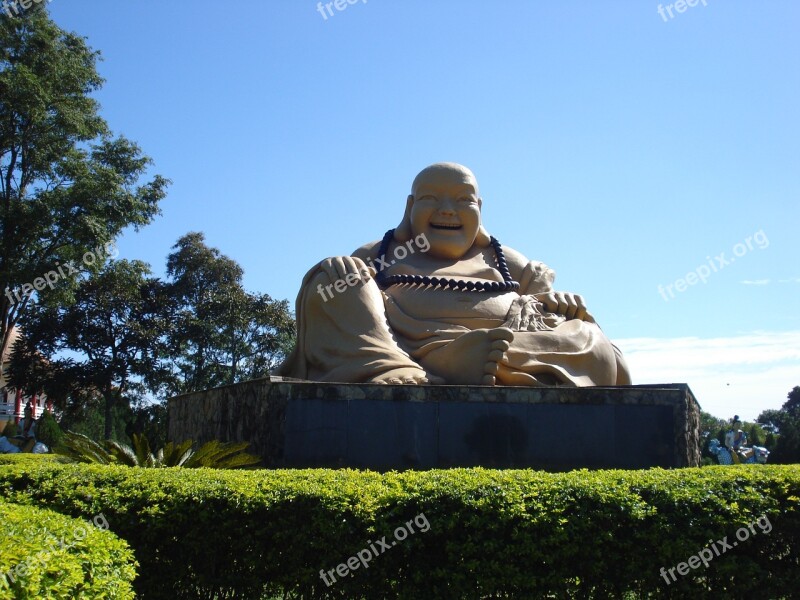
(472, 309)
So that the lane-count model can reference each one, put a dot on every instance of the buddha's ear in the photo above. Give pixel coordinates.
(482, 239)
(402, 232)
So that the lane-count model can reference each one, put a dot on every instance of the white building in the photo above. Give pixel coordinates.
(12, 402)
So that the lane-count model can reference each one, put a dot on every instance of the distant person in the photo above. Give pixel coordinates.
(28, 424)
(735, 438)
(26, 440)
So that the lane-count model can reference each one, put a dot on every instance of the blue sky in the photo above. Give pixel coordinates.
(624, 149)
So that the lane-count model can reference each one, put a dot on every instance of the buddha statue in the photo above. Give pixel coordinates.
(439, 301)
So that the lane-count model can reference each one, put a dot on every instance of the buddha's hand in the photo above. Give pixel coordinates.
(526, 314)
(536, 277)
(349, 269)
(570, 305)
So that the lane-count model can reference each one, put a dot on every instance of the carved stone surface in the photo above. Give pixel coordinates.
(382, 427)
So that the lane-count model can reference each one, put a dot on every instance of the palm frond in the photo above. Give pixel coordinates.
(122, 453)
(218, 455)
(141, 448)
(175, 455)
(214, 454)
(79, 448)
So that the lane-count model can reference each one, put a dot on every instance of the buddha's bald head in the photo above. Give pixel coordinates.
(445, 207)
(445, 172)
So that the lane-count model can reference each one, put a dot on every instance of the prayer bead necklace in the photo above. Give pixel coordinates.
(384, 281)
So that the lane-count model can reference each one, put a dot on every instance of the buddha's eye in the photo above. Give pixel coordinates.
(466, 200)
(427, 198)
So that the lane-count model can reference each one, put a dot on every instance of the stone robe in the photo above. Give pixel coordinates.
(364, 331)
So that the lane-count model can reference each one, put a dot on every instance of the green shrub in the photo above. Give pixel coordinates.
(46, 555)
(11, 429)
(24, 457)
(47, 430)
(203, 533)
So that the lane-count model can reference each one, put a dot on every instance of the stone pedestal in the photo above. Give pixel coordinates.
(306, 424)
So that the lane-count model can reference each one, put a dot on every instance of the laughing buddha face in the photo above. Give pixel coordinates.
(446, 208)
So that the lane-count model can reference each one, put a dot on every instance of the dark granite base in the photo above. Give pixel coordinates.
(306, 424)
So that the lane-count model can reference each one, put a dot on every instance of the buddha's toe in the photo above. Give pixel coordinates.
(501, 333)
(497, 355)
(500, 345)
(488, 380)
(406, 376)
(500, 339)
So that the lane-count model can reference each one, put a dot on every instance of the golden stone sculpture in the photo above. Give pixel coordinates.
(440, 301)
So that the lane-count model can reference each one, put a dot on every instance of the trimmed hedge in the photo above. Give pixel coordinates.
(204, 533)
(44, 554)
(25, 457)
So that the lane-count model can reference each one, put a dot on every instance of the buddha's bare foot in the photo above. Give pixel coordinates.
(471, 359)
(407, 376)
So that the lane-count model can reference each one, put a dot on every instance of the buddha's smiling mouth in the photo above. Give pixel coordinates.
(449, 226)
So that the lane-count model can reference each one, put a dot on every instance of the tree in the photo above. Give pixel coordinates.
(755, 434)
(67, 187)
(222, 334)
(84, 413)
(268, 335)
(710, 426)
(785, 422)
(149, 420)
(202, 280)
(769, 419)
(792, 404)
(47, 430)
(115, 331)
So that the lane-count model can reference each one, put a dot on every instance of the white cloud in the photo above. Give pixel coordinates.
(790, 280)
(743, 374)
(755, 281)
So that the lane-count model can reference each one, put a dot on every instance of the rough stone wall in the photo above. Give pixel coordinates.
(295, 424)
